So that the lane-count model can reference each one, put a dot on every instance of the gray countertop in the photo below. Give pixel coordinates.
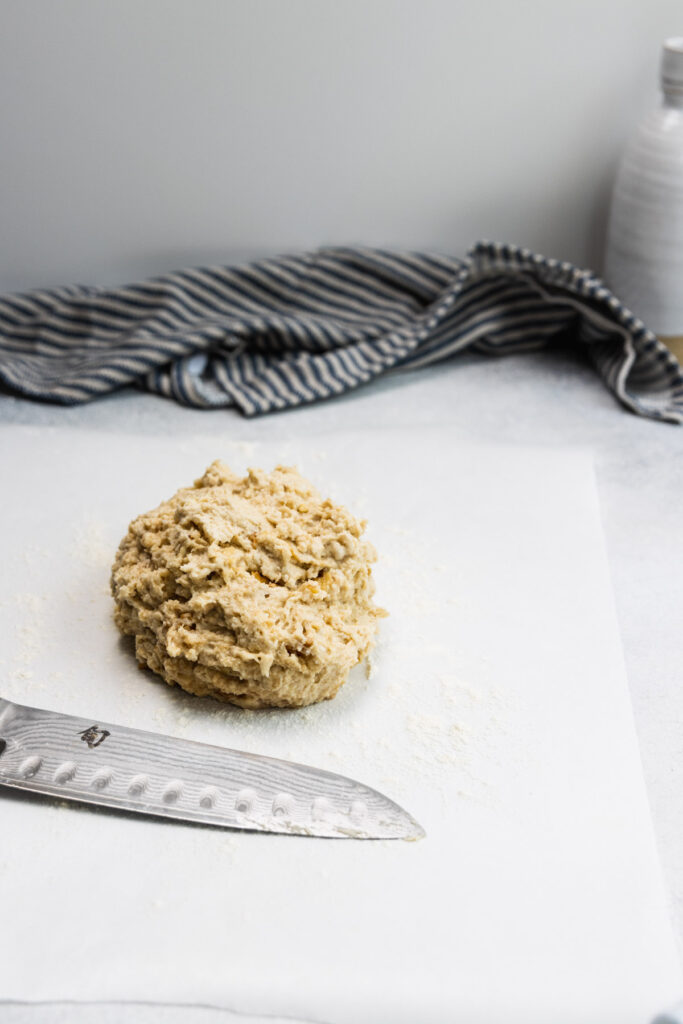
(548, 399)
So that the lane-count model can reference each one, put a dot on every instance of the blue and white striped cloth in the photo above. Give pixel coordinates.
(285, 331)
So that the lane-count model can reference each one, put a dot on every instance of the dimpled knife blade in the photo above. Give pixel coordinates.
(114, 766)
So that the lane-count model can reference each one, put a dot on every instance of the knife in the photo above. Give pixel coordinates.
(114, 766)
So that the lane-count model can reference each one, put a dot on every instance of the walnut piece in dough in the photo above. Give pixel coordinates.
(255, 591)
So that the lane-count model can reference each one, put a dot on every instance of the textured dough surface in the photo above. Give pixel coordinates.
(253, 590)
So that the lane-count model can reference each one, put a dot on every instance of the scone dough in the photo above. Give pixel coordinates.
(253, 590)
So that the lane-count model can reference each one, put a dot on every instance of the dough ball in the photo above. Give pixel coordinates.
(253, 590)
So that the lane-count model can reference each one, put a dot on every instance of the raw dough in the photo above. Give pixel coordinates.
(255, 591)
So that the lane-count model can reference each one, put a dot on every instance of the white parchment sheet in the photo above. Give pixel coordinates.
(497, 713)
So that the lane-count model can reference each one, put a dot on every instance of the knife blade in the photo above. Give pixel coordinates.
(93, 762)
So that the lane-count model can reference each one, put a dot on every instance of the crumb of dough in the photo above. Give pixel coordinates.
(253, 590)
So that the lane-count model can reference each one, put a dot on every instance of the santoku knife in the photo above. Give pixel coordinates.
(114, 766)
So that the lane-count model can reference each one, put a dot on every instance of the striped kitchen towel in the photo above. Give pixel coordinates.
(281, 332)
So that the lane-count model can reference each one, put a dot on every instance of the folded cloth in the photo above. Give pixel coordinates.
(281, 332)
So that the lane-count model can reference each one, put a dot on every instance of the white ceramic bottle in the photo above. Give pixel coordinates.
(644, 258)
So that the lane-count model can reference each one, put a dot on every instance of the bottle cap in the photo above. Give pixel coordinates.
(671, 68)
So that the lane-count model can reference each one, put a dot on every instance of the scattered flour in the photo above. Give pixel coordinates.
(92, 547)
(28, 634)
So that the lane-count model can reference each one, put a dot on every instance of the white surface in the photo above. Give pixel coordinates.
(130, 1013)
(145, 135)
(537, 892)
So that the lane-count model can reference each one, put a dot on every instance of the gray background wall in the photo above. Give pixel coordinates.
(141, 135)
